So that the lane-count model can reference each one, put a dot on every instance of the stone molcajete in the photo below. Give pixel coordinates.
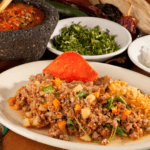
(29, 44)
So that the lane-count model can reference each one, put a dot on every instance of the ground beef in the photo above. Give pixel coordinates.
(57, 105)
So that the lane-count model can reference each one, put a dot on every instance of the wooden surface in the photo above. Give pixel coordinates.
(13, 141)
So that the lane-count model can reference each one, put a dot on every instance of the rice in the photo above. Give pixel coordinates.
(138, 101)
(145, 55)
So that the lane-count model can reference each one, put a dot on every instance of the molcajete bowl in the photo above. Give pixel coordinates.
(29, 44)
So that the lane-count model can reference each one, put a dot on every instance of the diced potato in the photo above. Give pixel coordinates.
(85, 112)
(78, 88)
(56, 103)
(28, 114)
(96, 94)
(91, 98)
(26, 122)
(31, 120)
(11, 101)
(42, 93)
(42, 108)
(85, 138)
(72, 98)
(148, 129)
(57, 82)
(62, 125)
(37, 82)
(77, 109)
(35, 122)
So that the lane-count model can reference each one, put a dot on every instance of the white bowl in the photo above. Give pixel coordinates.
(134, 51)
(123, 38)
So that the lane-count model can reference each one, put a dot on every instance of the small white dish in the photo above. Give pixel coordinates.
(134, 51)
(123, 38)
(12, 79)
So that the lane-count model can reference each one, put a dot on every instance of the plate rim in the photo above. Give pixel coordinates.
(129, 51)
(53, 141)
(91, 57)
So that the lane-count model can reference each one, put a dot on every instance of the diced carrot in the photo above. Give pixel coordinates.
(77, 109)
(45, 105)
(56, 103)
(62, 125)
(16, 106)
(96, 94)
(11, 101)
(18, 90)
(107, 95)
(57, 82)
(100, 116)
(114, 110)
(125, 114)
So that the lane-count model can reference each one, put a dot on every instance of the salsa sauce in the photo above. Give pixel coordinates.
(19, 16)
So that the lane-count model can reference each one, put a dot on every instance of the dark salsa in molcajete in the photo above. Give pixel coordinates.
(19, 16)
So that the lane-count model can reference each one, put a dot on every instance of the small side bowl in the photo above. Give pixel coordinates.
(29, 44)
(123, 38)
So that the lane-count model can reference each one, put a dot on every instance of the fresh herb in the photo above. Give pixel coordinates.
(45, 102)
(56, 93)
(108, 125)
(109, 104)
(70, 124)
(48, 89)
(120, 131)
(82, 94)
(96, 141)
(118, 119)
(85, 41)
(81, 127)
(119, 99)
(113, 132)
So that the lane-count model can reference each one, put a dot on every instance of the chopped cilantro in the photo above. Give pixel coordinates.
(85, 41)
(48, 89)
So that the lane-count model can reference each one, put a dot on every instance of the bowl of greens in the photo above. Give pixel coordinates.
(94, 38)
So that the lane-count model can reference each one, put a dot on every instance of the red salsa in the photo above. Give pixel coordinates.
(19, 16)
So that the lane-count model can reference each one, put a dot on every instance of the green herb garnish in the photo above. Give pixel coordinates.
(56, 93)
(109, 104)
(82, 94)
(119, 99)
(45, 102)
(85, 41)
(70, 124)
(120, 131)
(112, 134)
(48, 89)
(108, 125)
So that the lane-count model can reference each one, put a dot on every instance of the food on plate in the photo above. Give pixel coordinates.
(145, 55)
(18, 16)
(71, 66)
(85, 41)
(94, 111)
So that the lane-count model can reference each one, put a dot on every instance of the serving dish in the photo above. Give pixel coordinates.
(123, 38)
(14, 78)
(134, 51)
(29, 44)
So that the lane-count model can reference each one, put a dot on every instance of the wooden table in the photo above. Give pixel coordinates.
(13, 141)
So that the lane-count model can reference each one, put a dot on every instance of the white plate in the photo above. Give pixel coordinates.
(123, 38)
(134, 51)
(12, 79)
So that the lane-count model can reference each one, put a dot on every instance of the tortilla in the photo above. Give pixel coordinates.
(71, 66)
